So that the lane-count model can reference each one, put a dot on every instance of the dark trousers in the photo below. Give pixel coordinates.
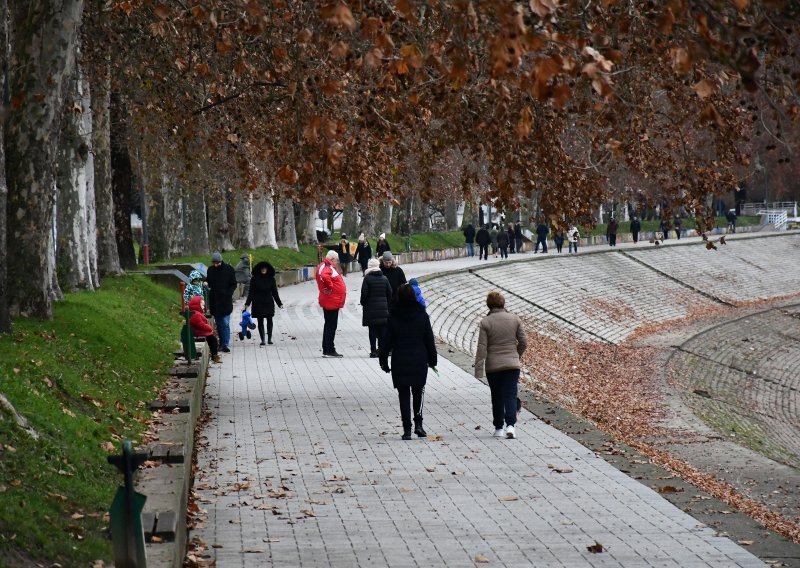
(519, 244)
(375, 336)
(503, 252)
(543, 241)
(261, 327)
(213, 344)
(405, 394)
(503, 386)
(571, 245)
(483, 252)
(329, 331)
(511, 245)
(635, 235)
(612, 240)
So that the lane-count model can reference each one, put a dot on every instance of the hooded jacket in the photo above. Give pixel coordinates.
(263, 294)
(332, 289)
(193, 289)
(409, 340)
(197, 321)
(482, 237)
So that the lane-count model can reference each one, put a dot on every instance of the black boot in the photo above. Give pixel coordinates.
(418, 427)
(407, 433)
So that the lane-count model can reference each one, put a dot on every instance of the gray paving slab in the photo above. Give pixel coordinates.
(304, 466)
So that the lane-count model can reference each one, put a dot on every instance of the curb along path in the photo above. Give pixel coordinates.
(303, 466)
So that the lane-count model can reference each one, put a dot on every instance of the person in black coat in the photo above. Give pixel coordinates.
(409, 340)
(502, 244)
(542, 231)
(363, 252)
(263, 296)
(382, 245)
(483, 238)
(394, 274)
(376, 297)
(518, 236)
(512, 241)
(221, 281)
(469, 239)
(636, 226)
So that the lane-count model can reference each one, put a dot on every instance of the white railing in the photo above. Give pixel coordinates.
(776, 218)
(790, 207)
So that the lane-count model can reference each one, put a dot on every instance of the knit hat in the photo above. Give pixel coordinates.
(387, 256)
(344, 235)
(361, 238)
(216, 257)
(382, 236)
(373, 263)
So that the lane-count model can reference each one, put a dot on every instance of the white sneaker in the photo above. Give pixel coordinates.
(499, 433)
(510, 432)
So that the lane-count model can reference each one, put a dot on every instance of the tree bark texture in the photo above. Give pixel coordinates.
(243, 234)
(107, 254)
(42, 61)
(286, 234)
(419, 218)
(366, 224)
(306, 225)
(5, 317)
(349, 219)
(451, 215)
(165, 214)
(470, 215)
(122, 187)
(383, 219)
(219, 229)
(195, 227)
(264, 219)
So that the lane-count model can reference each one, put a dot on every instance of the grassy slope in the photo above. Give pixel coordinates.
(688, 223)
(81, 380)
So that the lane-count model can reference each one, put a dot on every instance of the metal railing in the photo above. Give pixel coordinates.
(775, 217)
(790, 207)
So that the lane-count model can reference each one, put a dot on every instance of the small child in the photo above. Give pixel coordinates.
(202, 328)
(195, 287)
(415, 285)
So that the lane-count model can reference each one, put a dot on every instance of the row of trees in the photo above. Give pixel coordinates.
(237, 119)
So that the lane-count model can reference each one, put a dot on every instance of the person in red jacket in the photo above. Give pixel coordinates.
(201, 327)
(332, 293)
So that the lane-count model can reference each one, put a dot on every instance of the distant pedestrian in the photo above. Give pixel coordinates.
(332, 294)
(469, 239)
(501, 343)
(493, 238)
(502, 244)
(664, 226)
(483, 239)
(512, 241)
(382, 245)
(243, 276)
(414, 283)
(221, 281)
(611, 232)
(263, 296)
(573, 236)
(541, 237)
(194, 288)
(343, 248)
(636, 227)
(558, 240)
(678, 226)
(518, 236)
(201, 327)
(409, 341)
(394, 274)
(376, 297)
(363, 252)
(731, 217)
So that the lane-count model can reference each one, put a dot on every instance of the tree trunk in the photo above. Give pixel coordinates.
(264, 219)
(243, 232)
(195, 228)
(451, 215)
(470, 216)
(349, 220)
(419, 219)
(164, 213)
(286, 234)
(383, 219)
(307, 225)
(367, 223)
(219, 229)
(5, 317)
(42, 61)
(122, 188)
(107, 254)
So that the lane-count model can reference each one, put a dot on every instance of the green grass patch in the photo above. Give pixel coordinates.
(81, 380)
(651, 226)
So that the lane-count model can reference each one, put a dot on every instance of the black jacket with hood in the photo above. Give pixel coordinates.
(409, 340)
(263, 293)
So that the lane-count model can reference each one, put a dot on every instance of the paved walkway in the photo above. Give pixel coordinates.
(302, 465)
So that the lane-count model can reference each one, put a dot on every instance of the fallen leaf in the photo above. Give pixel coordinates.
(253, 550)
(308, 513)
(745, 542)
(595, 548)
(669, 489)
(435, 438)
(481, 559)
(509, 498)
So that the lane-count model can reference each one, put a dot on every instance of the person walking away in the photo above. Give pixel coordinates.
(343, 248)
(382, 245)
(512, 242)
(502, 244)
(493, 237)
(574, 236)
(541, 237)
(394, 274)
(678, 226)
(558, 240)
(611, 232)
(201, 327)
(501, 343)
(414, 283)
(332, 294)
(664, 228)
(518, 236)
(409, 341)
(636, 226)
(731, 217)
(194, 288)
(363, 252)
(221, 281)
(263, 295)
(376, 297)
(483, 239)
(243, 275)
(469, 239)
